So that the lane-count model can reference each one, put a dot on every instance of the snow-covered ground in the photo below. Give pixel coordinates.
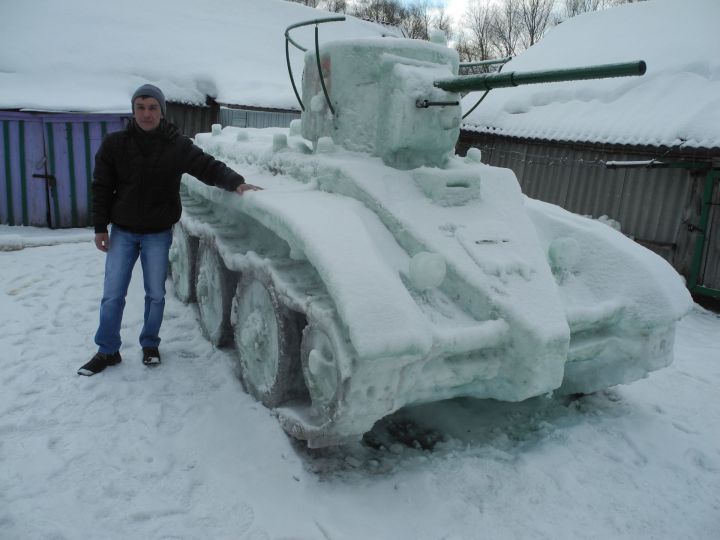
(182, 452)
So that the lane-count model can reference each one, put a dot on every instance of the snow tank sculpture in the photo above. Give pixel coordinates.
(377, 269)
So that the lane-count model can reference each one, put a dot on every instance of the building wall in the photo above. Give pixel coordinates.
(192, 119)
(659, 207)
(256, 118)
(46, 164)
(47, 159)
(709, 272)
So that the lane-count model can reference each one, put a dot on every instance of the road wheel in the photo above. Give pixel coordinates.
(214, 289)
(182, 264)
(319, 356)
(267, 339)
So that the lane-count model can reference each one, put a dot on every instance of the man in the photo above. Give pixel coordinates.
(136, 188)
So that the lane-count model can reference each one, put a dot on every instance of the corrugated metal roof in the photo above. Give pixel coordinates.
(676, 103)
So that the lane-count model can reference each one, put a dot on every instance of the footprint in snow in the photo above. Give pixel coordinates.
(684, 428)
(702, 461)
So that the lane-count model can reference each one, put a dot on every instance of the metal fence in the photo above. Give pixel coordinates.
(192, 119)
(256, 119)
(661, 208)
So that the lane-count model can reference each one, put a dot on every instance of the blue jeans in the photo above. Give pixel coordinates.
(125, 247)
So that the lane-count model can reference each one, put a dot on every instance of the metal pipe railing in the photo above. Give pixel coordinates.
(491, 62)
(289, 40)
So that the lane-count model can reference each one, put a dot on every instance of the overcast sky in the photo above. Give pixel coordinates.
(456, 8)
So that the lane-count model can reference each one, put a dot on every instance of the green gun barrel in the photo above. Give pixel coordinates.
(488, 81)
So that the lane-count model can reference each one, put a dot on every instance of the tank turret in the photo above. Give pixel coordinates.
(399, 99)
(373, 85)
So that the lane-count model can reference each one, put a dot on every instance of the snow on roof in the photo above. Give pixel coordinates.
(676, 102)
(85, 56)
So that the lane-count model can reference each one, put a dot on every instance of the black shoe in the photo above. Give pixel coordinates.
(151, 356)
(99, 362)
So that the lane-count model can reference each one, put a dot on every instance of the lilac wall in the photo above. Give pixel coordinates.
(59, 149)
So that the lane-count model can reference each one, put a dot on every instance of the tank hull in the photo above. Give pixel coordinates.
(407, 287)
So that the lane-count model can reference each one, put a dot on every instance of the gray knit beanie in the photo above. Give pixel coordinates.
(148, 90)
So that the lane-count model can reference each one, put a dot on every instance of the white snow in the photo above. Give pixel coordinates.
(422, 266)
(15, 238)
(76, 55)
(676, 102)
(427, 270)
(518, 274)
(182, 452)
(90, 56)
(374, 84)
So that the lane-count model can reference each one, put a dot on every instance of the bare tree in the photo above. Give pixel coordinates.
(576, 7)
(442, 21)
(534, 19)
(464, 47)
(309, 3)
(477, 39)
(506, 26)
(415, 22)
(336, 6)
(388, 12)
(418, 20)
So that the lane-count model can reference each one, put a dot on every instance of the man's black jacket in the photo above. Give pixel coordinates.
(136, 182)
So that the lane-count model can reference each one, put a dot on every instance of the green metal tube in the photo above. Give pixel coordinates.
(706, 291)
(292, 79)
(320, 71)
(486, 62)
(289, 40)
(307, 23)
(490, 81)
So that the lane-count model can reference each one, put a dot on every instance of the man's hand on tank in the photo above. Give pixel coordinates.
(102, 241)
(242, 188)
